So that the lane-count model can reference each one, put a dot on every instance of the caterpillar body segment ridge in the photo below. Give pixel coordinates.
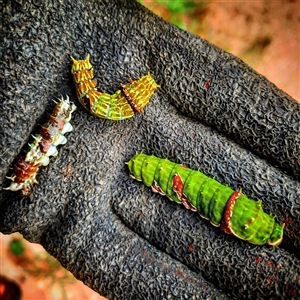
(44, 145)
(128, 100)
(233, 211)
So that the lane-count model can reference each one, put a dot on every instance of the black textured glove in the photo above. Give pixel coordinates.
(109, 230)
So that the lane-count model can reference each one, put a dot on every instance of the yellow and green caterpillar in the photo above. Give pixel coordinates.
(231, 210)
(131, 97)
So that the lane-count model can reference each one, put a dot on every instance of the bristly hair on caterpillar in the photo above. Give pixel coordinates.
(44, 144)
(231, 210)
(130, 99)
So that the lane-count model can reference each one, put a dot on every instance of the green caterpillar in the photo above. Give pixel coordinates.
(231, 210)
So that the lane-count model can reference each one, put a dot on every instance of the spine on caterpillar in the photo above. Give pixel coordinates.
(45, 143)
(131, 97)
(231, 210)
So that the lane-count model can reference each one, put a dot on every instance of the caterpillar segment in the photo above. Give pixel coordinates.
(128, 100)
(231, 210)
(44, 145)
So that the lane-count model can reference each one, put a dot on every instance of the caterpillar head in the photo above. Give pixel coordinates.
(80, 65)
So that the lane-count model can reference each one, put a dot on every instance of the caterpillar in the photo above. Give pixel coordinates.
(231, 210)
(44, 144)
(131, 97)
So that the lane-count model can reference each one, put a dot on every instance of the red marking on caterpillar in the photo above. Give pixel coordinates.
(177, 184)
(129, 99)
(227, 214)
(56, 122)
(45, 145)
(236, 213)
(22, 169)
(51, 134)
(178, 187)
(48, 133)
(85, 101)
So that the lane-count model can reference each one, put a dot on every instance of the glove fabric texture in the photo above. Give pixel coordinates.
(212, 112)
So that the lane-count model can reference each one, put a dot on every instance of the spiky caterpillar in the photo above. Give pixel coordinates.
(231, 210)
(131, 97)
(44, 145)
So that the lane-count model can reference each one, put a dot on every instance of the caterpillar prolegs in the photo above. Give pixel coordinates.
(44, 145)
(231, 210)
(132, 97)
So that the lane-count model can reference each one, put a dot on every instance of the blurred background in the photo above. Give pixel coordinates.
(264, 34)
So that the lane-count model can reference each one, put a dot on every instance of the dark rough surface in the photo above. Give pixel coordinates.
(112, 232)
